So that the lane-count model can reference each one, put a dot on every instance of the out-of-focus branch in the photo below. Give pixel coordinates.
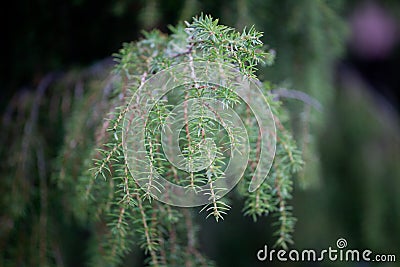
(289, 93)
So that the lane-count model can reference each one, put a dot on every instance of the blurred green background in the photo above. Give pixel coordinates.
(346, 54)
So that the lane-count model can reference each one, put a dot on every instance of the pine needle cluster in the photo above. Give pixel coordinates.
(104, 196)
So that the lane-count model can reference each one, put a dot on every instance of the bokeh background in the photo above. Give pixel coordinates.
(345, 54)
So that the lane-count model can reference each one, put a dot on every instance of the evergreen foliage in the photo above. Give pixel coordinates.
(72, 191)
(54, 213)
